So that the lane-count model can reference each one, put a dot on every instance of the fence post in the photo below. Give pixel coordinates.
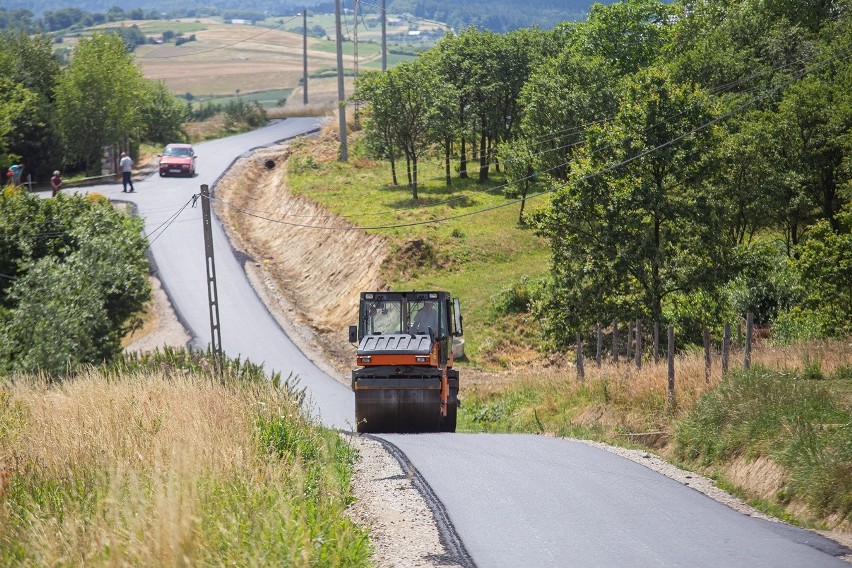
(638, 334)
(656, 342)
(599, 344)
(670, 391)
(726, 347)
(581, 372)
(629, 341)
(614, 341)
(749, 331)
(739, 335)
(706, 356)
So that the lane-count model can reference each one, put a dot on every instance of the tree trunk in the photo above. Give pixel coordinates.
(414, 177)
(393, 171)
(463, 160)
(483, 158)
(448, 149)
(408, 168)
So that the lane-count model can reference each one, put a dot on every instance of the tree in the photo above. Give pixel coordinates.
(638, 222)
(75, 279)
(15, 100)
(98, 98)
(33, 136)
(162, 114)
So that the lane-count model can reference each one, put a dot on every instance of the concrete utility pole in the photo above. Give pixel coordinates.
(384, 38)
(212, 293)
(305, 56)
(341, 97)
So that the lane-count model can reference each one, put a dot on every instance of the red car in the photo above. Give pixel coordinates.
(178, 159)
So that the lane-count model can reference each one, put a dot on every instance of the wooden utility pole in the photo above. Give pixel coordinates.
(341, 97)
(384, 37)
(355, 69)
(304, 56)
(212, 293)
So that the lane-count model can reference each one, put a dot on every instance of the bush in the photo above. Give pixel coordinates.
(780, 415)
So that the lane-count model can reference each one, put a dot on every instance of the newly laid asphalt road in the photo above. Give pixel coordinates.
(504, 500)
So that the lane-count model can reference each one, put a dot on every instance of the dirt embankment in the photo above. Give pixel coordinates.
(309, 262)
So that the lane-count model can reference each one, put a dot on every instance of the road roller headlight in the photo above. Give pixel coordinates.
(421, 359)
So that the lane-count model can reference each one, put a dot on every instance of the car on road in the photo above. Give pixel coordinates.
(177, 159)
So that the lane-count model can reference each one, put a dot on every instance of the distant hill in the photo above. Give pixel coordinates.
(495, 15)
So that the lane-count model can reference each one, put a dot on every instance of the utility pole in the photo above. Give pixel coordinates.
(212, 293)
(384, 38)
(305, 55)
(341, 98)
(355, 58)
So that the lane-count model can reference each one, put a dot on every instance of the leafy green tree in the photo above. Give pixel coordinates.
(162, 114)
(825, 263)
(33, 135)
(75, 279)
(98, 98)
(637, 224)
(373, 88)
(15, 100)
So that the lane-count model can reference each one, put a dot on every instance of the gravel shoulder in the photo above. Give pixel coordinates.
(314, 309)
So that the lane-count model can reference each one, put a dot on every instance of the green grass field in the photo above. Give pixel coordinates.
(475, 253)
(267, 99)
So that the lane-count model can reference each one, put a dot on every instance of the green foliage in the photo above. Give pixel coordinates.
(162, 115)
(780, 415)
(75, 281)
(98, 98)
(517, 298)
(825, 263)
(240, 113)
(767, 283)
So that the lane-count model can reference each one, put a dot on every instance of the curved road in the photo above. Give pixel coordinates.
(513, 500)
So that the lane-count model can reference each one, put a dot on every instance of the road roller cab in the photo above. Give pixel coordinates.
(405, 381)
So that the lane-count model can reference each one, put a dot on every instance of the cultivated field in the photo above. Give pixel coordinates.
(239, 59)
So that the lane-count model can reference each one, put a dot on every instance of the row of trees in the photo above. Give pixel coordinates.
(698, 155)
(52, 115)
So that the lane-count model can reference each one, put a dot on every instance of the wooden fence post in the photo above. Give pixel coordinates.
(638, 344)
(670, 391)
(656, 342)
(599, 344)
(581, 372)
(726, 347)
(739, 335)
(706, 356)
(614, 341)
(629, 341)
(749, 331)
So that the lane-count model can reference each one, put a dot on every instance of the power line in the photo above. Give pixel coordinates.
(796, 76)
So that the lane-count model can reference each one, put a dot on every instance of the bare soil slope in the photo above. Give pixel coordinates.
(284, 235)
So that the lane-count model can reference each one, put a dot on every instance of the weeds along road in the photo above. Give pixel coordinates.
(500, 500)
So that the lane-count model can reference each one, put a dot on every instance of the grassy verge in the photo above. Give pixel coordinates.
(798, 419)
(155, 462)
(475, 252)
(777, 435)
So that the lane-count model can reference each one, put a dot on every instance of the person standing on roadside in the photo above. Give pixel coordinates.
(126, 164)
(56, 183)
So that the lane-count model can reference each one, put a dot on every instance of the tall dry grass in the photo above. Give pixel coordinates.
(150, 471)
(618, 400)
